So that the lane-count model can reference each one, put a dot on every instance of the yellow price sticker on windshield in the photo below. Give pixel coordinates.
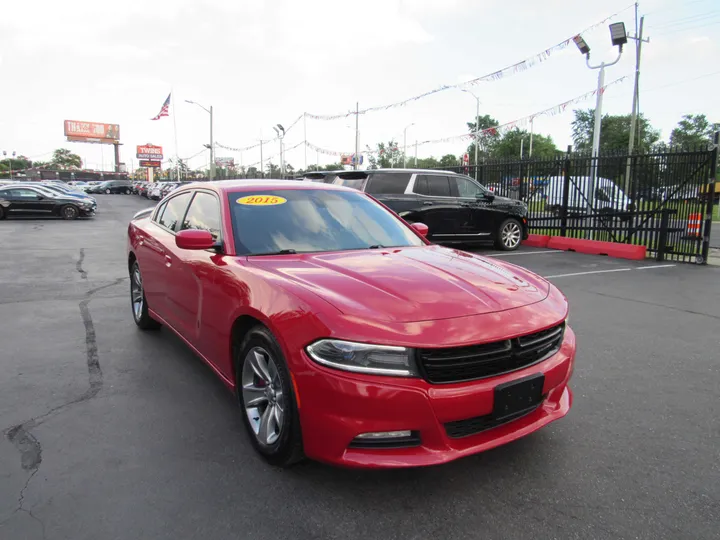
(261, 200)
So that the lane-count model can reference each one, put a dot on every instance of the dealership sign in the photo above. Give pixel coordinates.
(224, 162)
(149, 151)
(150, 163)
(92, 132)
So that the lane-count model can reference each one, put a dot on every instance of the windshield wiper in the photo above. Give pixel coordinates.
(281, 252)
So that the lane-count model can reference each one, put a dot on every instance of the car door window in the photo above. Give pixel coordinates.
(204, 214)
(421, 185)
(26, 194)
(438, 186)
(466, 188)
(174, 211)
(388, 183)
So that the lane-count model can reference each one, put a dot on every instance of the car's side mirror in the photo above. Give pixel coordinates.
(420, 228)
(487, 195)
(194, 239)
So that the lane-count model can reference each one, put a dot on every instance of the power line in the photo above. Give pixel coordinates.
(688, 20)
(688, 28)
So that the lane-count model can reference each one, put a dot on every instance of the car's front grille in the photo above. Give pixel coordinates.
(459, 364)
(478, 424)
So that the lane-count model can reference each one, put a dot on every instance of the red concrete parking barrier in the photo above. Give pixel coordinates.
(596, 247)
(536, 240)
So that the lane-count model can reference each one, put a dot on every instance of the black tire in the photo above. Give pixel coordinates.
(69, 211)
(107, 191)
(509, 235)
(2, 213)
(142, 318)
(127, 192)
(287, 449)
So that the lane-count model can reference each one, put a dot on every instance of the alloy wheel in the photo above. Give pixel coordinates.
(262, 395)
(69, 212)
(511, 234)
(136, 294)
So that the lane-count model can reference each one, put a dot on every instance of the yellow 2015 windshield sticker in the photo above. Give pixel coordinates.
(261, 200)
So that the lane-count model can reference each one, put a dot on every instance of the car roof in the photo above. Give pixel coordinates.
(233, 186)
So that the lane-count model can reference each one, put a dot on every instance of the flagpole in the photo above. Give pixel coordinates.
(177, 160)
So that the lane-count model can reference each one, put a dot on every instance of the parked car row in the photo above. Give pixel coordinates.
(48, 198)
(154, 190)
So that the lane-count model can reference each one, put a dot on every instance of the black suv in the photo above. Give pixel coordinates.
(456, 209)
(112, 186)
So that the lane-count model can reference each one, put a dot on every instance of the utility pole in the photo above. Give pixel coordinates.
(636, 97)
(262, 170)
(405, 144)
(305, 138)
(212, 147)
(416, 153)
(532, 130)
(356, 161)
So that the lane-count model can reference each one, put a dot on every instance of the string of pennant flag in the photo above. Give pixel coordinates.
(518, 67)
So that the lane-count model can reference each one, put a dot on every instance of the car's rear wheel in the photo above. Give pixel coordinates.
(107, 191)
(509, 235)
(69, 212)
(138, 302)
(2, 213)
(267, 397)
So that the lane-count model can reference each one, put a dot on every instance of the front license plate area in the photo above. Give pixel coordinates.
(518, 397)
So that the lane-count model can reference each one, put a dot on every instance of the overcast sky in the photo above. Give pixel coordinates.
(263, 62)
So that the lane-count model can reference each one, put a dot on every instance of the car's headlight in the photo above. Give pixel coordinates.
(364, 358)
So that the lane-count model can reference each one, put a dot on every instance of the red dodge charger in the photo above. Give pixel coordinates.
(345, 335)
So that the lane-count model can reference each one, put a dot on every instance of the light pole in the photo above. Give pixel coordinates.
(618, 36)
(477, 127)
(280, 131)
(210, 146)
(405, 144)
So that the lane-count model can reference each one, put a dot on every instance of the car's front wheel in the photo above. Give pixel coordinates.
(509, 235)
(107, 191)
(69, 212)
(139, 302)
(266, 395)
(2, 213)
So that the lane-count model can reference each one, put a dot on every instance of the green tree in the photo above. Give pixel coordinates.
(65, 159)
(333, 167)
(424, 163)
(694, 130)
(508, 146)
(253, 172)
(14, 164)
(449, 160)
(486, 140)
(272, 170)
(385, 156)
(614, 132)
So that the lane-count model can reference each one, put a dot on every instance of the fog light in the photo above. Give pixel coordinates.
(386, 440)
(385, 435)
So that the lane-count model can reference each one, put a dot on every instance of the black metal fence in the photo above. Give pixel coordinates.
(663, 200)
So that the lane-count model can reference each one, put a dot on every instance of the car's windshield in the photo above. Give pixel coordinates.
(310, 220)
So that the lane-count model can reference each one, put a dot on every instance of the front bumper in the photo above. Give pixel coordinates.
(337, 406)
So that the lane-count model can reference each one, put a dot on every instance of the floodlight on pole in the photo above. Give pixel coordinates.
(581, 44)
(618, 35)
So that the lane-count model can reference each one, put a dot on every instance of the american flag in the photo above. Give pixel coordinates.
(164, 109)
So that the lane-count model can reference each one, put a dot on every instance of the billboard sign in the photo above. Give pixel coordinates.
(224, 162)
(92, 132)
(150, 163)
(149, 151)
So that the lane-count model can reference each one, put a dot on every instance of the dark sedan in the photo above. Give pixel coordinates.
(36, 201)
(112, 186)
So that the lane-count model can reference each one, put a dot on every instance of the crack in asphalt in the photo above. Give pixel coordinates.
(78, 265)
(20, 435)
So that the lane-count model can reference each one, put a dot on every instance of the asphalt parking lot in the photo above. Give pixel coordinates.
(112, 433)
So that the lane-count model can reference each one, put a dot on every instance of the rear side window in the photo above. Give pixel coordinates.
(387, 183)
(355, 183)
(174, 211)
(432, 185)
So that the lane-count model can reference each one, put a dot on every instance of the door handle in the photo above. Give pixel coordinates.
(427, 203)
(467, 205)
(168, 261)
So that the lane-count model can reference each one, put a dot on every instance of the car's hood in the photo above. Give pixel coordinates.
(409, 284)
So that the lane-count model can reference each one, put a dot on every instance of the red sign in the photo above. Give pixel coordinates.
(149, 163)
(92, 132)
(149, 151)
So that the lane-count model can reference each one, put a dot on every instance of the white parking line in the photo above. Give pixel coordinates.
(548, 251)
(655, 266)
(592, 272)
(612, 270)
